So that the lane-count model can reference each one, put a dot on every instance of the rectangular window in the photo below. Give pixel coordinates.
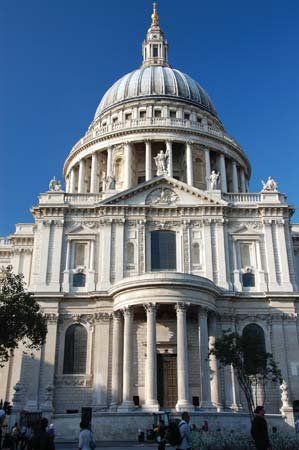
(163, 250)
(245, 255)
(187, 116)
(142, 114)
(158, 113)
(172, 114)
(128, 116)
(155, 51)
(79, 259)
(114, 120)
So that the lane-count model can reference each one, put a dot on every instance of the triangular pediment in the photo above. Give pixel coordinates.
(164, 191)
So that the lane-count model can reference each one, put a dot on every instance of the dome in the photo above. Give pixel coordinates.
(156, 81)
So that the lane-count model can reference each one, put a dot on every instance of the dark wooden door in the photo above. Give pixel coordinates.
(167, 381)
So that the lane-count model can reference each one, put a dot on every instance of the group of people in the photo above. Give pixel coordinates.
(29, 437)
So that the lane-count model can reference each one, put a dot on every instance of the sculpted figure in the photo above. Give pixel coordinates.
(270, 185)
(161, 161)
(54, 185)
(110, 182)
(213, 180)
(284, 394)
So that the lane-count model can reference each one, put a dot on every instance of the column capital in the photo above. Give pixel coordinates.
(181, 307)
(188, 142)
(150, 307)
(203, 312)
(127, 311)
(117, 315)
(148, 140)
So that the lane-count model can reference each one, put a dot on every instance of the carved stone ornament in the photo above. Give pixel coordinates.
(51, 317)
(269, 186)
(162, 197)
(74, 380)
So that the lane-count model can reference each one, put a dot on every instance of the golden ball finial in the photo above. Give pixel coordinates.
(155, 17)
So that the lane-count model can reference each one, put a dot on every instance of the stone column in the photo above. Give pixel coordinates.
(109, 161)
(269, 250)
(243, 183)
(207, 164)
(56, 255)
(72, 180)
(208, 249)
(127, 402)
(66, 277)
(235, 177)
(183, 403)
(127, 166)
(101, 361)
(81, 181)
(204, 362)
(214, 373)
(283, 256)
(222, 168)
(151, 401)
(45, 230)
(116, 359)
(189, 161)
(148, 160)
(94, 185)
(170, 162)
(221, 254)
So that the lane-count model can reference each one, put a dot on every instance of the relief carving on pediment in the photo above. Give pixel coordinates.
(162, 197)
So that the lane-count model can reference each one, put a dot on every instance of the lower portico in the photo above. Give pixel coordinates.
(166, 349)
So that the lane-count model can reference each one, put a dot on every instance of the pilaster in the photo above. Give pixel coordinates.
(101, 360)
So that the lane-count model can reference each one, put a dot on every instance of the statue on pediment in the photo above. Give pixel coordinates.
(161, 161)
(269, 186)
(213, 180)
(54, 185)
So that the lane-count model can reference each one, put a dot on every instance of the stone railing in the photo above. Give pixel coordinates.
(240, 197)
(152, 122)
(82, 199)
(5, 241)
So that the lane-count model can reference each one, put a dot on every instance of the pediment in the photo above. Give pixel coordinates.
(81, 230)
(164, 192)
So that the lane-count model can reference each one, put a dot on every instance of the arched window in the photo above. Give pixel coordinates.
(254, 344)
(163, 250)
(75, 350)
(130, 253)
(195, 254)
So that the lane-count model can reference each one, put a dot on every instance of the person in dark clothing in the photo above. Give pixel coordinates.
(161, 435)
(259, 430)
(42, 440)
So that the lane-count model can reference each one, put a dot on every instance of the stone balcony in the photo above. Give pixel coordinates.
(154, 122)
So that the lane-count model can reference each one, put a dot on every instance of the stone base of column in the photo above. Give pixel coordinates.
(113, 407)
(236, 407)
(151, 406)
(184, 405)
(208, 406)
(126, 406)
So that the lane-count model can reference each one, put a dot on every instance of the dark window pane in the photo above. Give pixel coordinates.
(79, 279)
(163, 250)
(248, 279)
(75, 350)
(155, 51)
(254, 347)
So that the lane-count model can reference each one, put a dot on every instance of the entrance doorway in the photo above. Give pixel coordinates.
(167, 381)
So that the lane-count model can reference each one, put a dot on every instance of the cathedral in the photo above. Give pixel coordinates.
(154, 248)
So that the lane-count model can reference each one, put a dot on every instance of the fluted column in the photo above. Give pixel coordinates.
(183, 402)
(151, 401)
(222, 168)
(204, 361)
(243, 183)
(148, 160)
(189, 161)
(94, 188)
(214, 372)
(116, 359)
(72, 181)
(207, 164)
(81, 181)
(128, 164)
(170, 162)
(127, 402)
(235, 177)
(109, 161)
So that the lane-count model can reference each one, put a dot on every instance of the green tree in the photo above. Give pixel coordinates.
(253, 366)
(21, 319)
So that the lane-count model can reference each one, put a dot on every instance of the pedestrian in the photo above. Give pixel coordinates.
(259, 430)
(297, 425)
(86, 441)
(16, 435)
(185, 432)
(41, 439)
(2, 420)
(161, 438)
(205, 426)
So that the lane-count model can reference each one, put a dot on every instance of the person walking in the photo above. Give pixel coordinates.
(86, 441)
(259, 430)
(41, 439)
(16, 434)
(297, 425)
(185, 432)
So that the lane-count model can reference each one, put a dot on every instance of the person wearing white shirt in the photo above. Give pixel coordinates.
(185, 432)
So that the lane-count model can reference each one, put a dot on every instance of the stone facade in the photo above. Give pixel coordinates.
(145, 320)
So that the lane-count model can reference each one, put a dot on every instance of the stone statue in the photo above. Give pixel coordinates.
(110, 182)
(284, 395)
(270, 185)
(54, 185)
(103, 179)
(161, 161)
(213, 180)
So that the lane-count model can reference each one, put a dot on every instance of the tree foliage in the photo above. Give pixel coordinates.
(253, 366)
(21, 319)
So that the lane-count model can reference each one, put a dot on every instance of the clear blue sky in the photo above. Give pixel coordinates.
(58, 57)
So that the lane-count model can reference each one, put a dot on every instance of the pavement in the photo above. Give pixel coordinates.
(111, 445)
